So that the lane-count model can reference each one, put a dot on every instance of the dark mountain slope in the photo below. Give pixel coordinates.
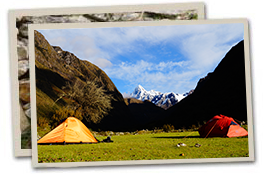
(144, 113)
(220, 92)
(55, 67)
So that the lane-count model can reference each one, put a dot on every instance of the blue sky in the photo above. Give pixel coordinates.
(162, 58)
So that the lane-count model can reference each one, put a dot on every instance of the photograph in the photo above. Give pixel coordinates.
(140, 93)
(20, 19)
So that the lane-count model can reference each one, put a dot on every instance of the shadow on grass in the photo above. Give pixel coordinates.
(178, 137)
(181, 137)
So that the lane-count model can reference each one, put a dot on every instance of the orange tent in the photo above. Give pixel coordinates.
(222, 126)
(71, 130)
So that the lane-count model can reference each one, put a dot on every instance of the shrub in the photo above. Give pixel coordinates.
(42, 121)
(141, 132)
(103, 133)
(127, 133)
(90, 99)
(168, 127)
(157, 130)
(194, 127)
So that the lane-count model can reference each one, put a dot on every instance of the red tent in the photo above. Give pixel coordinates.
(222, 126)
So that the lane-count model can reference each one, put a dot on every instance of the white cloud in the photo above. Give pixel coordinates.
(107, 43)
(206, 49)
(58, 41)
(200, 46)
(131, 70)
(162, 76)
(126, 95)
(102, 63)
(168, 65)
(82, 46)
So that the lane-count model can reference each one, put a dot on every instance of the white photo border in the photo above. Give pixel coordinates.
(141, 162)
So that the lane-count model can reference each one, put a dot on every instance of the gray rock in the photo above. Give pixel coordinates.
(22, 53)
(24, 82)
(103, 16)
(116, 17)
(22, 49)
(35, 19)
(179, 18)
(28, 112)
(79, 18)
(23, 67)
(23, 30)
(24, 121)
(56, 19)
(22, 42)
(18, 18)
(24, 90)
(130, 16)
(26, 106)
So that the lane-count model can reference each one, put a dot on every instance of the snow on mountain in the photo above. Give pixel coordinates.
(164, 100)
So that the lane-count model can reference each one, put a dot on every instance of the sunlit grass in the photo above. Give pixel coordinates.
(146, 147)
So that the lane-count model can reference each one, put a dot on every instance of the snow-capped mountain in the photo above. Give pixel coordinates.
(164, 100)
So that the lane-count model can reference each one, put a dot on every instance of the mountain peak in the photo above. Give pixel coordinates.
(158, 98)
(139, 87)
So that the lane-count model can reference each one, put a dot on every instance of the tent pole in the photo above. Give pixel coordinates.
(238, 121)
(211, 129)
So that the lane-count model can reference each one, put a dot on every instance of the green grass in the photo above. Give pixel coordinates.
(146, 147)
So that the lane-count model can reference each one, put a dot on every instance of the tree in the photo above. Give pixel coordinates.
(89, 98)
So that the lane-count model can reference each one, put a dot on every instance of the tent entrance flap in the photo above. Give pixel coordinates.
(236, 131)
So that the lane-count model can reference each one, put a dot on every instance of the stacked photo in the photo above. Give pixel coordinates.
(130, 85)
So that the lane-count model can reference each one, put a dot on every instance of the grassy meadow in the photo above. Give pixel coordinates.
(146, 147)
